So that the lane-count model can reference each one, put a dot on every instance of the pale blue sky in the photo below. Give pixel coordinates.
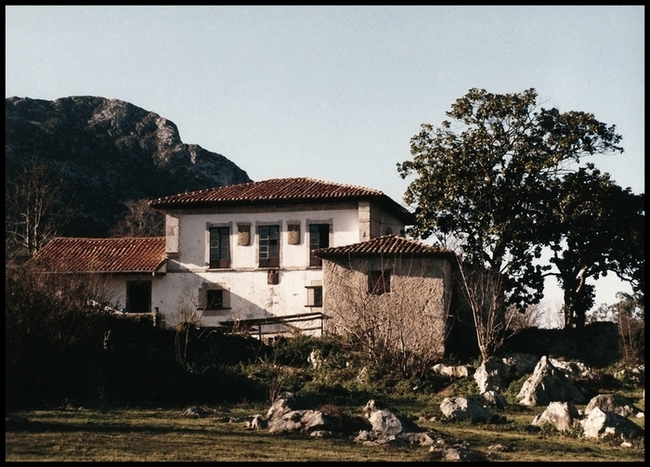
(334, 93)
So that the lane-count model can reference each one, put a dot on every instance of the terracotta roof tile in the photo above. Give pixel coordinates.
(135, 254)
(388, 244)
(279, 190)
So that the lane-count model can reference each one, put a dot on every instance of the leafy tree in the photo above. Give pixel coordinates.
(491, 186)
(600, 228)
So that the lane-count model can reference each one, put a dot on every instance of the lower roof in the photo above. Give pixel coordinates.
(102, 255)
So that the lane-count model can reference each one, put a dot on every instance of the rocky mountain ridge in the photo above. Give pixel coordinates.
(107, 152)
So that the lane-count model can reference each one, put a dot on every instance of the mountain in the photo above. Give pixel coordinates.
(107, 152)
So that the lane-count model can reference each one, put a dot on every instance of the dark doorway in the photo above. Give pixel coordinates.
(138, 297)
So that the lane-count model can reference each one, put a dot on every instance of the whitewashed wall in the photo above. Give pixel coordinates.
(250, 294)
(193, 236)
(176, 293)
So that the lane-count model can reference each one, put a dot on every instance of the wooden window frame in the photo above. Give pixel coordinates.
(379, 282)
(269, 246)
(138, 296)
(208, 289)
(314, 296)
(214, 299)
(218, 247)
(319, 237)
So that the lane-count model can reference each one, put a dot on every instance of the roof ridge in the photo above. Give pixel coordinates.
(387, 244)
(203, 190)
(108, 238)
(258, 182)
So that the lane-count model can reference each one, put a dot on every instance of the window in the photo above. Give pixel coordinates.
(319, 237)
(213, 296)
(269, 254)
(378, 282)
(315, 296)
(214, 299)
(219, 247)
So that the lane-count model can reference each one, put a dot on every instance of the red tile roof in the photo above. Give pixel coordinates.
(102, 255)
(388, 244)
(280, 191)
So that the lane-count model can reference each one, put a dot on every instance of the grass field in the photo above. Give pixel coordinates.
(77, 434)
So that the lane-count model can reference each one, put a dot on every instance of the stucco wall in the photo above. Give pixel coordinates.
(115, 287)
(250, 293)
(193, 235)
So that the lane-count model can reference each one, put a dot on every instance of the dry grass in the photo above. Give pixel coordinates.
(166, 435)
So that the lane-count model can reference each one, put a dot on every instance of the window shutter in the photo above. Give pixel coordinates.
(203, 298)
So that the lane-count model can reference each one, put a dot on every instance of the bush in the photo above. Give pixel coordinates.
(296, 350)
(54, 332)
(64, 347)
(209, 347)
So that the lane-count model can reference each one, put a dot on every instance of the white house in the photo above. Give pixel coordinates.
(237, 254)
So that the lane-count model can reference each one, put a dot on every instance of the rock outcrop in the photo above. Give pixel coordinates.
(105, 152)
(548, 384)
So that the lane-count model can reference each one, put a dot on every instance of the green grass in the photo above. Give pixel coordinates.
(165, 435)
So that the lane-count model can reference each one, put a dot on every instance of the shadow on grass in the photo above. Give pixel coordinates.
(18, 424)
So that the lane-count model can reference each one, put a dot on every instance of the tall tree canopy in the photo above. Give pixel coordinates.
(491, 182)
(600, 228)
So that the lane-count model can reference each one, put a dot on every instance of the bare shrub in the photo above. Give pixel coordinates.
(54, 325)
(483, 292)
(140, 220)
(531, 317)
(184, 321)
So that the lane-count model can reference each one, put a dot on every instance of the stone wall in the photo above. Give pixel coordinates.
(413, 315)
(596, 344)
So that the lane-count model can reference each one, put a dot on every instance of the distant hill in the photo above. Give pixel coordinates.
(109, 152)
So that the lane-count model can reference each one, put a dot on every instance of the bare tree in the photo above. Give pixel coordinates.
(483, 292)
(517, 321)
(629, 315)
(184, 321)
(34, 208)
(140, 221)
